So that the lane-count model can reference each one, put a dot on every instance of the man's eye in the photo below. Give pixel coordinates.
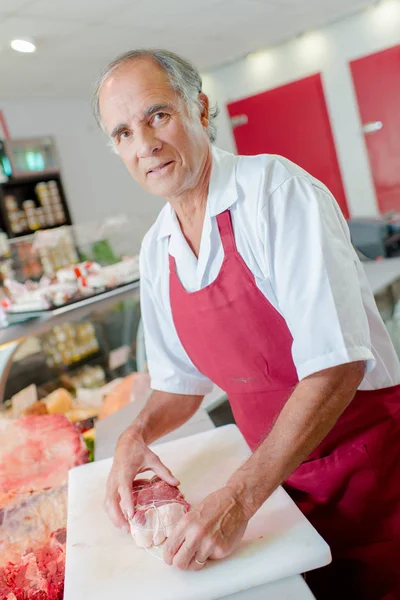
(160, 116)
(124, 135)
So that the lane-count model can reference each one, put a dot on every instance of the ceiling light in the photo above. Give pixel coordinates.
(261, 63)
(387, 13)
(24, 45)
(312, 47)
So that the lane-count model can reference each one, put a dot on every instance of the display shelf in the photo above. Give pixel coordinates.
(22, 189)
(12, 336)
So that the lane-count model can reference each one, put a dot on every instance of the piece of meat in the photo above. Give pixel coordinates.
(38, 575)
(158, 507)
(36, 453)
(30, 522)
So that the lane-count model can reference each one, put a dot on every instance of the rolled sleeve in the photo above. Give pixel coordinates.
(315, 278)
(170, 368)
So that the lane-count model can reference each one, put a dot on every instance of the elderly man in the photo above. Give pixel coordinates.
(249, 280)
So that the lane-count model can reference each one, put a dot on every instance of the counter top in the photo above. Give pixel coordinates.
(107, 432)
(290, 588)
(382, 273)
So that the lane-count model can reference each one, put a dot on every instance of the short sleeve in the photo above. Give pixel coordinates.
(169, 366)
(315, 279)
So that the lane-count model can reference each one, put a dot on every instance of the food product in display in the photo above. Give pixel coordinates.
(48, 194)
(77, 415)
(39, 574)
(38, 408)
(122, 272)
(56, 247)
(30, 521)
(30, 296)
(71, 283)
(35, 455)
(158, 507)
(58, 402)
(86, 377)
(134, 387)
(23, 399)
(69, 343)
(118, 397)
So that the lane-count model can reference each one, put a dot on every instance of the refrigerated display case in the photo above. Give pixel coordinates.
(92, 342)
(103, 337)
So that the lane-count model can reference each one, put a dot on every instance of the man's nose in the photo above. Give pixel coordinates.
(148, 144)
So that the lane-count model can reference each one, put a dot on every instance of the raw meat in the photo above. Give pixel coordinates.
(39, 575)
(36, 453)
(158, 507)
(30, 521)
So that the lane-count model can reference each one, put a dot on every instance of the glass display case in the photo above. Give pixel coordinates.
(96, 340)
(84, 345)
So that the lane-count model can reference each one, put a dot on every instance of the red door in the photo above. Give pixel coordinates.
(377, 82)
(292, 121)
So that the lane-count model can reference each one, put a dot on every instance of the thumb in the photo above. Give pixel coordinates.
(162, 471)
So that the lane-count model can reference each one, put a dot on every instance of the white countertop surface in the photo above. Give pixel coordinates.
(291, 588)
(107, 433)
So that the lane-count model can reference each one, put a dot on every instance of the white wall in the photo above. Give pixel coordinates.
(327, 51)
(96, 182)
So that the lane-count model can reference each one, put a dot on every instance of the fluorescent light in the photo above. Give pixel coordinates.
(23, 46)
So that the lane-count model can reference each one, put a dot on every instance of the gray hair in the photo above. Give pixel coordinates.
(184, 78)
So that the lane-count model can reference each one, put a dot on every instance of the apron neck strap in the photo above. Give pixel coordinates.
(224, 221)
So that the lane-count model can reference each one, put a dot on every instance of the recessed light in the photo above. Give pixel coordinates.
(23, 45)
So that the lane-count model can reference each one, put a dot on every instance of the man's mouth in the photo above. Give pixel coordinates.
(159, 167)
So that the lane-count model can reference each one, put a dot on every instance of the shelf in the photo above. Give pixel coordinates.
(43, 321)
(39, 175)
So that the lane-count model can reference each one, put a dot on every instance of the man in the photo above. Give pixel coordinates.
(249, 280)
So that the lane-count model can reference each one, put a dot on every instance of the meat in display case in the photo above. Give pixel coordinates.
(71, 369)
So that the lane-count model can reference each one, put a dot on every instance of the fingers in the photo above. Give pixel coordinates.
(114, 512)
(161, 470)
(125, 494)
(173, 543)
(185, 556)
(197, 563)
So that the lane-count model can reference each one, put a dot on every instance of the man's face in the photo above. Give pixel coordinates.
(162, 146)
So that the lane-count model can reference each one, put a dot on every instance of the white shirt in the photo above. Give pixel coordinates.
(291, 234)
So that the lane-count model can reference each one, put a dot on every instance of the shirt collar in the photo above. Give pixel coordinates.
(222, 191)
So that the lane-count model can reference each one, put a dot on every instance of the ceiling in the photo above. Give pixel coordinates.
(76, 38)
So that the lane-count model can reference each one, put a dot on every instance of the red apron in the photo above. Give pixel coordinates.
(349, 487)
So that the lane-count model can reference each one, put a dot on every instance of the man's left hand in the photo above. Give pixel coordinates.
(210, 531)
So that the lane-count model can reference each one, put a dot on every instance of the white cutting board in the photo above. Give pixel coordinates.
(104, 562)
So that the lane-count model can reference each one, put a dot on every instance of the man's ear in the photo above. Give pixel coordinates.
(205, 109)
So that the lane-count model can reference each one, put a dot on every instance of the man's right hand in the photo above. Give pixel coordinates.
(132, 456)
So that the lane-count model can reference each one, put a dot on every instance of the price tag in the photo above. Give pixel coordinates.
(118, 357)
(23, 399)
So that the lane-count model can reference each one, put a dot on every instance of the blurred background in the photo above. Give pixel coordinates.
(317, 81)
